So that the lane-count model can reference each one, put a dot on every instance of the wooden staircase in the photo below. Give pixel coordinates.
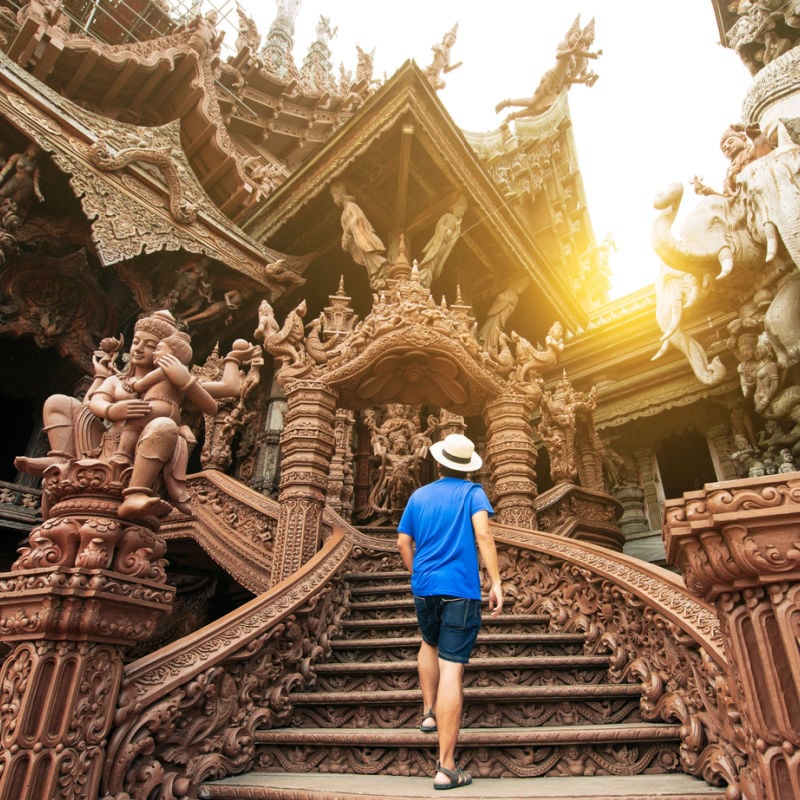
(535, 706)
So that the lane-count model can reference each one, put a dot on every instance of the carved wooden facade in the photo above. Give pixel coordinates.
(167, 631)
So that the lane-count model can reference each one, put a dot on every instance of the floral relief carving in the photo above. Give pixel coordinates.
(230, 681)
(131, 215)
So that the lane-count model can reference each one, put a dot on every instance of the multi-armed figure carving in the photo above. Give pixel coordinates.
(401, 447)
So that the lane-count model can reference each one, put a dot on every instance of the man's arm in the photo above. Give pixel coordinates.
(488, 551)
(405, 544)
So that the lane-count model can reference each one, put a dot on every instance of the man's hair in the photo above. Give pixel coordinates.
(448, 472)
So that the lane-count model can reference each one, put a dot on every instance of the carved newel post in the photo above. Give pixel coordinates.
(307, 446)
(511, 460)
(738, 546)
(86, 586)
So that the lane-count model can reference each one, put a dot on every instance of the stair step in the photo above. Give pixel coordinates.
(383, 588)
(492, 737)
(484, 707)
(508, 619)
(483, 638)
(561, 670)
(486, 663)
(507, 644)
(511, 694)
(622, 748)
(324, 786)
(395, 576)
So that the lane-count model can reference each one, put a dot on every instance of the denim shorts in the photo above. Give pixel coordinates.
(449, 623)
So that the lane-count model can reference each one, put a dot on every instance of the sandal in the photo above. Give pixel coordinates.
(426, 716)
(458, 777)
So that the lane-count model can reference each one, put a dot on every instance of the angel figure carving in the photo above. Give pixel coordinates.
(359, 238)
(441, 60)
(499, 313)
(441, 244)
(572, 66)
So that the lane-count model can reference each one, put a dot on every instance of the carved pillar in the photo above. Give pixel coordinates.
(738, 546)
(511, 460)
(266, 470)
(340, 482)
(86, 586)
(307, 446)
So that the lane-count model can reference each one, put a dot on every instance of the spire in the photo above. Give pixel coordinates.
(278, 44)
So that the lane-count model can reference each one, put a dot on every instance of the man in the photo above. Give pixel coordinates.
(437, 534)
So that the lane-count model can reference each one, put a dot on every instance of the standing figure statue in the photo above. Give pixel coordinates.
(99, 427)
(23, 186)
(441, 60)
(499, 313)
(572, 59)
(444, 238)
(359, 238)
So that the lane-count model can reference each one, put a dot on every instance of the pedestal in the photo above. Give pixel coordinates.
(738, 546)
(86, 586)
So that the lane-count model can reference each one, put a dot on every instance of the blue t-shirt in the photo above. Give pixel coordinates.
(438, 517)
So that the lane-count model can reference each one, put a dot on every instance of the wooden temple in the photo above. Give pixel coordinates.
(200, 593)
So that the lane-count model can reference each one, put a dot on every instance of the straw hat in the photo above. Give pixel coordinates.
(456, 452)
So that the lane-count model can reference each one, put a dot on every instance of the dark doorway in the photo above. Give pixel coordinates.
(685, 463)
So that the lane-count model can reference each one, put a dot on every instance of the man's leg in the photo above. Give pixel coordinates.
(428, 668)
(449, 700)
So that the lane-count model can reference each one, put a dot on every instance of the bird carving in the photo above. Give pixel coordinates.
(530, 359)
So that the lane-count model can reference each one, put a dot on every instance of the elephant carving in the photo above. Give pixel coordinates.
(741, 231)
(714, 236)
(782, 322)
(771, 187)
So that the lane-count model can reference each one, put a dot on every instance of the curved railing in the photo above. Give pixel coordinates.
(655, 632)
(187, 712)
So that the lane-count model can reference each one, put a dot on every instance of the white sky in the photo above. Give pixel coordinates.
(667, 88)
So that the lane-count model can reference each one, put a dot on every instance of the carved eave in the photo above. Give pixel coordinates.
(406, 161)
(178, 76)
(273, 115)
(140, 207)
(630, 385)
(537, 167)
(161, 79)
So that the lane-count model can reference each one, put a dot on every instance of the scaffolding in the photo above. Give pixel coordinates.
(122, 21)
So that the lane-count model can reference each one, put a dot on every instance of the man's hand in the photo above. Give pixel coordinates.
(495, 599)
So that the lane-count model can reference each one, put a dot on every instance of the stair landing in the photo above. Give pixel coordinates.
(326, 786)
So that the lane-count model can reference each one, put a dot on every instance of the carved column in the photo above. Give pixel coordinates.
(738, 546)
(86, 586)
(307, 446)
(511, 460)
(340, 482)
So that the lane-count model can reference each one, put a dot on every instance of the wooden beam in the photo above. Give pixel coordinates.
(401, 198)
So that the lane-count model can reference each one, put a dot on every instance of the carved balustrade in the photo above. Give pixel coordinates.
(654, 630)
(738, 546)
(187, 713)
